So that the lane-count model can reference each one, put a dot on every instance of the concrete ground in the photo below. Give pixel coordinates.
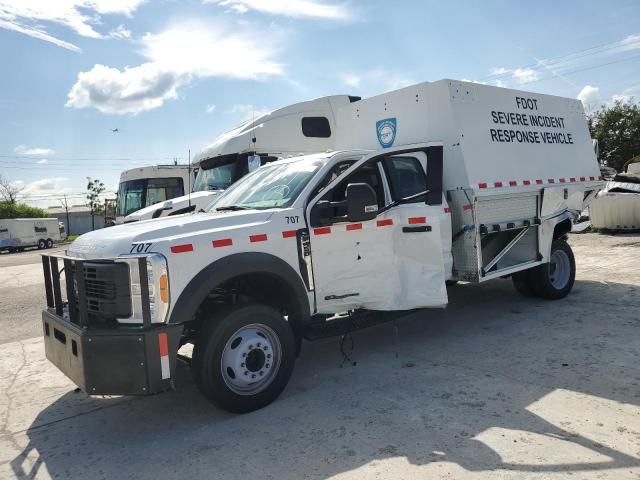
(496, 386)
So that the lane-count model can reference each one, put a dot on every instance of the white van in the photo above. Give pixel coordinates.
(16, 234)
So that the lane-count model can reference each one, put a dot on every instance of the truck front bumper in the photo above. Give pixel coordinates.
(116, 361)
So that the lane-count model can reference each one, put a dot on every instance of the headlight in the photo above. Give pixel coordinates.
(157, 287)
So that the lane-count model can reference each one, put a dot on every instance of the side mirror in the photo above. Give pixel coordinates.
(321, 213)
(362, 203)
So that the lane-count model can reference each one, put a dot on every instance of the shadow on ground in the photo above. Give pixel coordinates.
(486, 364)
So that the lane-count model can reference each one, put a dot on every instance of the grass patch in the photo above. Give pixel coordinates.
(71, 238)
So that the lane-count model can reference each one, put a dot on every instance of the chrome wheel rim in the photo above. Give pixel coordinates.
(559, 269)
(251, 359)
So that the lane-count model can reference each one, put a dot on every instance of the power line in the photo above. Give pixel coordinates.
(109, 159)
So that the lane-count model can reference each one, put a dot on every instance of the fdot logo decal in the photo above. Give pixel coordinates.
(386, 130)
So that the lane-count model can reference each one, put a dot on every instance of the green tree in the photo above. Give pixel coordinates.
(94, 188)
(12, 209)
(617, 129)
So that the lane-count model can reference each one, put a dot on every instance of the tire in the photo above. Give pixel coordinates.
(554, 280)
(451, 283)
(225, 346)
(41, 244)
(522, 283)
(49, 243)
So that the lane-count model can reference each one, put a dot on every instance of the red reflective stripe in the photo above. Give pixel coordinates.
(322, 230)
(384, 223)
(467, 207)
(497, 184)
(354, 226)
(224, 242)
(289, 233)
(562, 180)
(572, 179)
(261, 237)
(526, 182)
(539, 181)
(182, 248)
(551, 180)
(582, 179)
(513, 183)
(592, 178)
(482, 185)
(163, 344)
(447, 210)
(413, 220)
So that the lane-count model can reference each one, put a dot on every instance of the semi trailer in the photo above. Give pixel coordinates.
(16, 234)
(304, 127)
(440, 181)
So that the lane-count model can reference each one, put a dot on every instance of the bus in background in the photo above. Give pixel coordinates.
(143, 186)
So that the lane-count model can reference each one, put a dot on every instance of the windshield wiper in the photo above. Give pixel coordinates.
(232, 208)
(402, 200)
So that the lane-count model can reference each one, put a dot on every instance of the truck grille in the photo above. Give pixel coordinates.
(98, 292)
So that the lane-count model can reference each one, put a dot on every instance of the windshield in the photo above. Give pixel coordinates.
(216, 178)
(136, 194)
(273, 186)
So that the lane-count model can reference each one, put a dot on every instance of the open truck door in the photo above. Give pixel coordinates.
(375, 233)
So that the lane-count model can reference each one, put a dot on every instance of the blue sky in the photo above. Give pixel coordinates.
(172, 75)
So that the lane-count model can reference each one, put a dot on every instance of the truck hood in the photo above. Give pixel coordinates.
(115, 241)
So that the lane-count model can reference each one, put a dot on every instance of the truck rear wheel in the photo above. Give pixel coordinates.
(522, 283)
(554, 280)
(243, 358)
(49, 243)
(41, 244)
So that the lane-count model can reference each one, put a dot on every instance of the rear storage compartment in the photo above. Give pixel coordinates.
(84, 340)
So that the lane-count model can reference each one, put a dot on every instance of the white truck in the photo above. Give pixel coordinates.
(438, 181)
(143, 186)
(304, 127)
(16, 234)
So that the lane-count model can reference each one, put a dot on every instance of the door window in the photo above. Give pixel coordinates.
(406, 177)
(369, 174)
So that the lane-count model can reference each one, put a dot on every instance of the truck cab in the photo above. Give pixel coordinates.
(318, 242)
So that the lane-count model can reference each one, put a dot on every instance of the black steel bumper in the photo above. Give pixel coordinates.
(115, 361)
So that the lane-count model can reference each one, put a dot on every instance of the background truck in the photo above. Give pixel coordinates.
(19, 233)
(305, 127)
(143, 186)
(438, 181)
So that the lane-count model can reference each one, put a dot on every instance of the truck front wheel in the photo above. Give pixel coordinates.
(243, 358)
(42, 244)
(555, 279)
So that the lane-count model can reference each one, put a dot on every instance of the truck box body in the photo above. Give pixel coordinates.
(475, 123)
(18, 233)
(510, 157)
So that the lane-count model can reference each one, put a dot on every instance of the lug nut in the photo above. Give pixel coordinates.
(250, 347)
(244, 354)
(259, 344)
(246, 372)
(268, 355)
(267, 365)
(242, 365)
(253, 375)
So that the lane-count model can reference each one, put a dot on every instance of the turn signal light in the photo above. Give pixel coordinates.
(164, 288)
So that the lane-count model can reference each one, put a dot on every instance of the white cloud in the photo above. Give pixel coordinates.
(289, 8)
(351, 80)
(25, 150)
(590, 97)
(120, 32)
(44, 161)
(80, 16)
(247, 111)
(518, 75)
(210, 108)
(175, 57)
(632, 42)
